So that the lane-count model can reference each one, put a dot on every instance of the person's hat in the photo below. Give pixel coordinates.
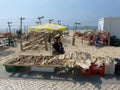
(57, 37)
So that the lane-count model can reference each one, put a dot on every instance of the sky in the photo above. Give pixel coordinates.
(87, 12)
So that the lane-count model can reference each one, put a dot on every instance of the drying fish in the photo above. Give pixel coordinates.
(62, 56)
(44, 62)
(107, 60)
(52, 59)
(71, 63)
(75, 55)
(67, 56)
(71, 55)
(84, 55)
(93, 59)
(84, 65)
(99, 61)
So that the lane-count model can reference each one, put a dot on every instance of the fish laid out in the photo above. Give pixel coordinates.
(82, 59)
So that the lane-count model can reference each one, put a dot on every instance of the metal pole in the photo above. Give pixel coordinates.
(37, 23)
(39, 18)
(9, 26)
(40, 21)
(50, 20)
(58, 22)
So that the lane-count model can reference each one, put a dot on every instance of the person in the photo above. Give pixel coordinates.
(97, 40)
(49, 37)
(91, 38)
(58, 47)
(26, 36)
(17, 32)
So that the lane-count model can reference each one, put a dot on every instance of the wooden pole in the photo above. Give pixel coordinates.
(108, 38)
(73, 39)
(21, 46)
(46, 48)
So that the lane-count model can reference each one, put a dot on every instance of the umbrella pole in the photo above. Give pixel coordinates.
(46, 48)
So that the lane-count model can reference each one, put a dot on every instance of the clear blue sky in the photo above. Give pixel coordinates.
(68, 11)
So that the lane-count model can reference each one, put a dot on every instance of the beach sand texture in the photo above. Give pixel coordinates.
(67, 43)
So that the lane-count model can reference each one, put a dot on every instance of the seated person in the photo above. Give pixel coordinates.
(58, 46)
(97, 41)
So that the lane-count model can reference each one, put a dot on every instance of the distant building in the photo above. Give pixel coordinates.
(110, 24)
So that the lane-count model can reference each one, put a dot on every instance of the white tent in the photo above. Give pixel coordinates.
(110, 24)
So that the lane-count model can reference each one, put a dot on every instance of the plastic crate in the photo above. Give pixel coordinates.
(85, 71)
(117, 70)
(97, 70)
(117, 67)
(12, 68)
(110, 69)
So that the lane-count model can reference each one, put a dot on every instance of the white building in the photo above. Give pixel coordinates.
(110, 24)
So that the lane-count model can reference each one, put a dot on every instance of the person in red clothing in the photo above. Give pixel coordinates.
(105, 39)
(91, 39)
(58, 47)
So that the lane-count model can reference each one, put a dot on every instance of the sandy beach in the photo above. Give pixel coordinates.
(67, 43)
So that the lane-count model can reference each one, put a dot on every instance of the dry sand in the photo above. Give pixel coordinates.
(67, 42)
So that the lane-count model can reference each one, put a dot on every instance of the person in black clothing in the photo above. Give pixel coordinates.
(58, 46)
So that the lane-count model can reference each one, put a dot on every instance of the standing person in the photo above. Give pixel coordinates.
(49, 37)
(58, 47)
(17, 32)
(26, 36)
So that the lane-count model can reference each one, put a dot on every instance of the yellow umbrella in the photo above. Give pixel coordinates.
(48, 27)
(38, 28)
(54, 27)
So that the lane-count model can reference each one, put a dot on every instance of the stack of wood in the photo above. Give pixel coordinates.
(35, 40)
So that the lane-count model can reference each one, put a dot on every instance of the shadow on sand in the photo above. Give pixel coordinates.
(6, 53)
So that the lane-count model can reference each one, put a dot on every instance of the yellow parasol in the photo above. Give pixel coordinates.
(47, 27)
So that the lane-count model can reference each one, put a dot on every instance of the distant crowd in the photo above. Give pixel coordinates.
(98, 39)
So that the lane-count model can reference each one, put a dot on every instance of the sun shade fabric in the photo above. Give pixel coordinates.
(47, 27)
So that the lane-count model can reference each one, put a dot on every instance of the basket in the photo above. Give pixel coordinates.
(97, 70)
(12, 68)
